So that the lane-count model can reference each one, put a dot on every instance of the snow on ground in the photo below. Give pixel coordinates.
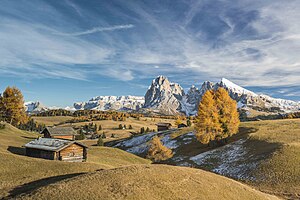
(229, 160)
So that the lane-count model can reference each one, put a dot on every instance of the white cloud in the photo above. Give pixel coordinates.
(97, 29)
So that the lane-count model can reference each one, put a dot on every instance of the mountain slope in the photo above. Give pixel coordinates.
(111, 103)
(149, 182)
(164, 96)
(161, 97)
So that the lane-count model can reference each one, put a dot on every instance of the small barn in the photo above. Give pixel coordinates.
(163, 126)
(182, 125)
(57, 149)
(67, 133)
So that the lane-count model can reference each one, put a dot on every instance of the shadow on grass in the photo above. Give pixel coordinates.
(29, 187)
(16, 150)
(33, 138)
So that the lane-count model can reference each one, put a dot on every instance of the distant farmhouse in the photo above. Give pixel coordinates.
(57, 149)
(59, 133)
(163, 126)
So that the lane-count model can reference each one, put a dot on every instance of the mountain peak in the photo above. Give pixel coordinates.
(234, 87)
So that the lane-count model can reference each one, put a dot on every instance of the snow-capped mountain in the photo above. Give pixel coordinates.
(111, 103)
(164, 96)
(34, 107)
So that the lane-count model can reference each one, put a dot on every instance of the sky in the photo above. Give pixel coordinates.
(63, 51)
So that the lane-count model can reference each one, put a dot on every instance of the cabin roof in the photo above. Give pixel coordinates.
(60, 130)
(164, 124)
(50, 144)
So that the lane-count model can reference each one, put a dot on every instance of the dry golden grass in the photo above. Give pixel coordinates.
(110, 127)
(280, 173)
(17, 169)
(50, 121)
(148, 182)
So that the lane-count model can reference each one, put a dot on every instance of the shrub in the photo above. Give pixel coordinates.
(157, 151)
(130, 127)
(120, 126)
(100, 142)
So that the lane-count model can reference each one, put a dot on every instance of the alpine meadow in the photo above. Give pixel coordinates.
(153, 100)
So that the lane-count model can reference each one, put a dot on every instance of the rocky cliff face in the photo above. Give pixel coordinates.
(111, 103)
(169, 98)
(34, 107)
(163, 96)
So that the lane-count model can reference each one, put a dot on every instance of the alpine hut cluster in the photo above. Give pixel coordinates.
(57, 144)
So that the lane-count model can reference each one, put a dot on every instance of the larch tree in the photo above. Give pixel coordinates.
(228, 114)
(157, 151)
(207, 124)
(12, 106)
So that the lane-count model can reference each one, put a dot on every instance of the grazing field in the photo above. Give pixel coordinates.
(19, 173)
(264, 154)
(280, 172)
(148, 182)
(110, 127)
(52, 120)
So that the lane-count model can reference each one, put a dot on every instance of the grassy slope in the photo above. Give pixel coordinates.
(280, 173)
(17, 169)
(149, 182)
(50, 121)
(109, 126)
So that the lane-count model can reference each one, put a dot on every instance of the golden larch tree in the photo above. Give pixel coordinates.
(228, 114)
(158, 151)
(12, 106)
(207, 124)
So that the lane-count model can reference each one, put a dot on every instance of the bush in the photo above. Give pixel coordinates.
(120, 126)
(130, 127)
(2, 126)
(81, 135)
(157, 151)
(100, 142)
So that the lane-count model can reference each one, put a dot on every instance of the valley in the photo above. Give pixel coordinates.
(254, 156)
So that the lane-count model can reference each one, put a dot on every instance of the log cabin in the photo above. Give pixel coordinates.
(57, 149)
(163, 126)
(67, 133)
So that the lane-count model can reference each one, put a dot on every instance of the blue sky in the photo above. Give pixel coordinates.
(63, 51)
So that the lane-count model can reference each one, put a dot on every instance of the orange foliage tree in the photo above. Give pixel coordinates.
(158, 151)
(217, 117)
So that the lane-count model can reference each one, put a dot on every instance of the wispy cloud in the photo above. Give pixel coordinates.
(96, 30)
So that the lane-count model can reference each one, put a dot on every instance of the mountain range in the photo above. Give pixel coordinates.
(170, 98)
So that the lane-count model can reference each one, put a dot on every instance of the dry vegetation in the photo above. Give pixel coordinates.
(50, 121)
(148, 182)
(280, 173)
(19, 173)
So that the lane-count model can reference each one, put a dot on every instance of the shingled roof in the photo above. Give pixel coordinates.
(50, 144)
(60, 130)
(164, 124)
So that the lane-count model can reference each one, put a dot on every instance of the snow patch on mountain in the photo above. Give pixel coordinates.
(111, 103)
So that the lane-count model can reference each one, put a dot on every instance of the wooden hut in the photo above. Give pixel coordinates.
(57, 149)
(163, 126)
(67, 133)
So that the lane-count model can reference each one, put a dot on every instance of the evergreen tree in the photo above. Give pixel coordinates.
(100, 128)
(120, 126)
(142, 130)
(130, 127)
(147, 130)
(188, 123)
(12, 108)
(100, 142)
(228, 114)
(207, 122)
(158, 151)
